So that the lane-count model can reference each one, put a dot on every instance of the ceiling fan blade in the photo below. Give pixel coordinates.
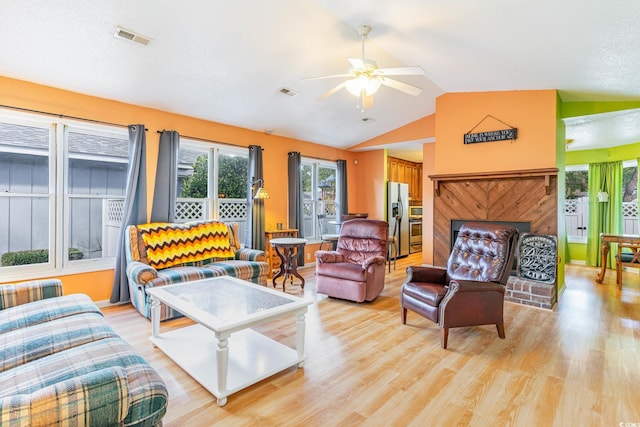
(328, 77)
(401, 71)
(332, 91)
(402, 87)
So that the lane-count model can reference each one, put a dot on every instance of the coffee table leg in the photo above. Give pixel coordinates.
(300, 336)
(223, 363)
(155, 317)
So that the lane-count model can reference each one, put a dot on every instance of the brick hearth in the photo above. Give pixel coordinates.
(527, 292)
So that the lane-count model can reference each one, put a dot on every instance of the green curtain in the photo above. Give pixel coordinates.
(604, 217)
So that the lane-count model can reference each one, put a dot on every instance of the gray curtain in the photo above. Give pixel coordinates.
(135, 207)
(341, 189)
(255, 208)
(166, 188)
(296, 209)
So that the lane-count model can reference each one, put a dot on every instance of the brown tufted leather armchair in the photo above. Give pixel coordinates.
(470, 291)
(355, 270)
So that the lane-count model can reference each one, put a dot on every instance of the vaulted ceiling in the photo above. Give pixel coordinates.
(227, 61)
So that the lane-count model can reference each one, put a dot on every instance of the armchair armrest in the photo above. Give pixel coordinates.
(437, 275)
(140, 273)
(374, 260)
(14, 294)
(100, 395)
(246, 254)
(474, 286)
(328, 257)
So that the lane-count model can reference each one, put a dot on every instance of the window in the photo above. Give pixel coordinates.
(212, 183)
(630, 198)
(62, 188)
(319, 194)
(577, 201)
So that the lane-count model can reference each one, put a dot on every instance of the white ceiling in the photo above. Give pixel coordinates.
(226, 61)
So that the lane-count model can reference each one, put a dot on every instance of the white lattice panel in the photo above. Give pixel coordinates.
(570, 206)
(114, 211)
(630, 210)
(190, 210)
(232, 209)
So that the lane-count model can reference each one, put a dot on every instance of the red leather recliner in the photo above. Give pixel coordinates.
(470, 291)
(355, 270)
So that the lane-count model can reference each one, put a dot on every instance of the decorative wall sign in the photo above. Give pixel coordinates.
(537, 257)
(492, 135)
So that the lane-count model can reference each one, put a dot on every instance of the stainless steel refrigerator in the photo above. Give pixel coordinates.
(398, 204)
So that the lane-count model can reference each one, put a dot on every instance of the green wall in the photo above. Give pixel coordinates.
(578, 251)
(584, 157)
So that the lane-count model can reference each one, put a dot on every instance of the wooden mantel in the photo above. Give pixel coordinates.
(547, 173)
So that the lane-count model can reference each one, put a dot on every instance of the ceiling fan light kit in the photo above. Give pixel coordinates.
(365, 78)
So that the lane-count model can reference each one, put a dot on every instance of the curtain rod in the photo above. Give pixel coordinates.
(64, 116)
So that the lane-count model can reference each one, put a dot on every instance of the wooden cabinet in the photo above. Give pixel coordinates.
(270, 254)
(399, 170)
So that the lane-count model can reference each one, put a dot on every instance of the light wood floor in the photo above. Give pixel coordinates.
(578, 365)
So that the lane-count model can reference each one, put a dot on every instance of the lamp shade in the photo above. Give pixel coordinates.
(261, 194)
(356, 85)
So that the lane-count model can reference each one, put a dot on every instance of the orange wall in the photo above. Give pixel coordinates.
(361, 178)
(419, 129)
(367, 192)
(533, 113)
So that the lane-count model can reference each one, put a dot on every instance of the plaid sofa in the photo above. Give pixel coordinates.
(164, 253)
(62, 364)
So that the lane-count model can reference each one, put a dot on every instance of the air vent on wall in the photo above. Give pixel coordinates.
(121, 33)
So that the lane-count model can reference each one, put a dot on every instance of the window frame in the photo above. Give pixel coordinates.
(316, 201)
(212, 201)
(58, 194)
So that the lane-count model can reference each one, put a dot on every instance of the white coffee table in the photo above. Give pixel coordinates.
(220, 351)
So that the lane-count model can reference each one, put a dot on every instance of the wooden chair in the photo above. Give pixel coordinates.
(325, 236)
(630, 258)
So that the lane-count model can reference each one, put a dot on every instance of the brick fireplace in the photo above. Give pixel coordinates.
(522, 197)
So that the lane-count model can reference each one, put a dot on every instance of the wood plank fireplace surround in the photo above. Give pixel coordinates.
(525, 196)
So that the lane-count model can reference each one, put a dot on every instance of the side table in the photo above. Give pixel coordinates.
(272, 257)
(287, 249)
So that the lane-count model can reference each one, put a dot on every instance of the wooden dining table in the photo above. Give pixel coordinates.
(605, 243)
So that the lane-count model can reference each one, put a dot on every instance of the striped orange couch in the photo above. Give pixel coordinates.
(165, 253)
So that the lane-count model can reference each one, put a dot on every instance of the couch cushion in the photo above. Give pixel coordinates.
(245, 270)
(169, 244)
(147, 392)
(25, 345)
(46, 310)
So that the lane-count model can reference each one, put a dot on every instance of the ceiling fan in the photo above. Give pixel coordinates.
(365, 78)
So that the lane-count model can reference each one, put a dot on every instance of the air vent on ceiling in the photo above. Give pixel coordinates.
(121, 33)
(288, 92)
